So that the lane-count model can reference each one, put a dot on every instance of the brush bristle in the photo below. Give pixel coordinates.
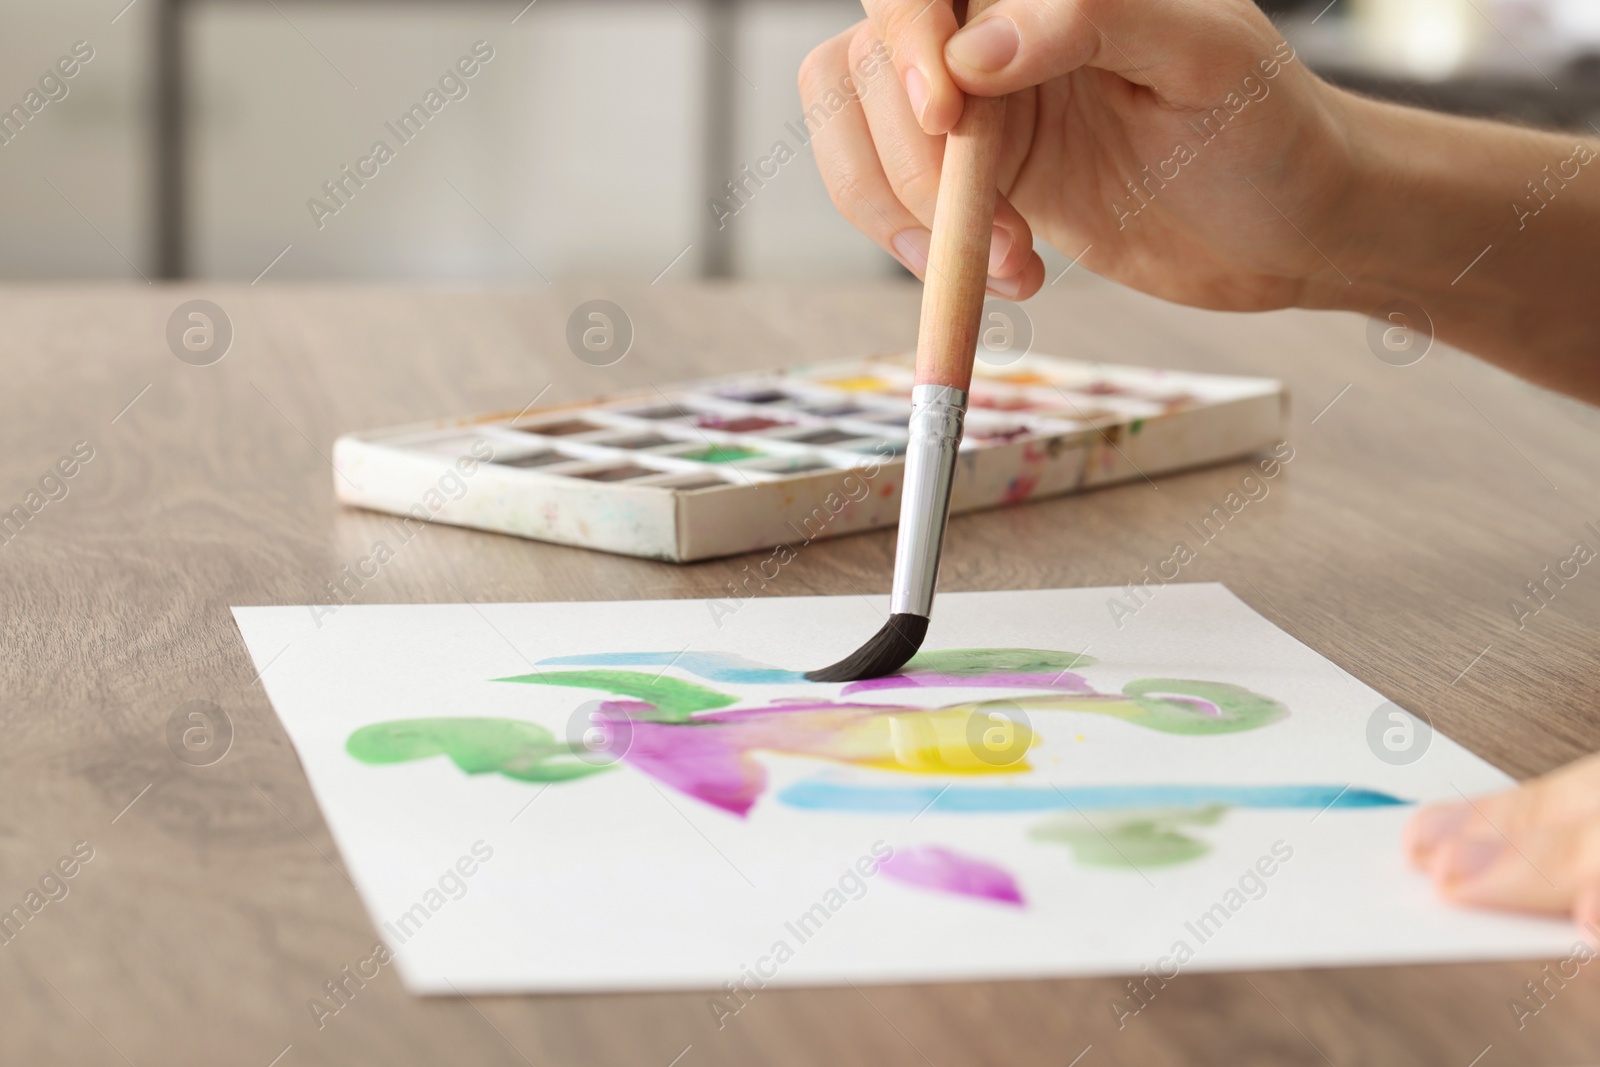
(886, 653)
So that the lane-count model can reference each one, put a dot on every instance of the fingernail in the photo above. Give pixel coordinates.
(1009, 288)
(1467, 859)
(912, 246)
(987, 45)
(1433, 825)
(917, 92)
(999, 245)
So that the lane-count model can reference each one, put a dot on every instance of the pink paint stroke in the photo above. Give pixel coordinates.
(712, 757)
(1204, 707)
(944, 871)
(702, 762)
(1062, 681)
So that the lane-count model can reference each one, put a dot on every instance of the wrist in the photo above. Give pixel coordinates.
(1385, 231)
(1490, 229)
(1422, 200)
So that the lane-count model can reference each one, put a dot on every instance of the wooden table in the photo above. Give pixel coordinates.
(1419, 502)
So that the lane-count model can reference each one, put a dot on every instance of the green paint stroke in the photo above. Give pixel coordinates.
(1131, 839)
(520, 750)
(674, 700)
(1189, 707)
(1169, 705)
(961, 662)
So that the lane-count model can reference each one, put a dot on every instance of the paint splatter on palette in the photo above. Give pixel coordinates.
(735, 464)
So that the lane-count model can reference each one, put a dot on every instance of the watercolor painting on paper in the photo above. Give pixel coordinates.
(1053, 788)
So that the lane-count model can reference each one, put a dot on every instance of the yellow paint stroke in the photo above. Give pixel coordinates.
(947, 741)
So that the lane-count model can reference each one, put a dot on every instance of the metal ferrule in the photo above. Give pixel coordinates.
(937, 412)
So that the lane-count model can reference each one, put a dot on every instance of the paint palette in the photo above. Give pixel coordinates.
(736, 464)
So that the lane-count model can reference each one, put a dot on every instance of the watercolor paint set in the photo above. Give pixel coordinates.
(736, 464)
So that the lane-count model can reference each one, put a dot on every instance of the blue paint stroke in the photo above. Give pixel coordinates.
(967, 800)
(724, 667)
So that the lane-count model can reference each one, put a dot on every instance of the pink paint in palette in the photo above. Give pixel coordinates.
(742, 463)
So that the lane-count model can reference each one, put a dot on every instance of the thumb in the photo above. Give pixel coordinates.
(1175, 47)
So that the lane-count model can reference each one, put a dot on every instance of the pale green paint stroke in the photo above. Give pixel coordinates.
(1159, 704)
(1237, 707)
(674, 699)
(960, 662)
(524, 751)
(1131, 839)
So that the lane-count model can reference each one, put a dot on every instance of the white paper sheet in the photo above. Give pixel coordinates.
(646, 875)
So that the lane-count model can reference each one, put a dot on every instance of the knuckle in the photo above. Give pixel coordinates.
(1531, 807)
(864, 42)
(917, 23)
(821, 66)
(811, 72)
(915, 183)
(845, 190)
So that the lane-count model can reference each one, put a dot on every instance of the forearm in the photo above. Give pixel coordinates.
(1491, 229)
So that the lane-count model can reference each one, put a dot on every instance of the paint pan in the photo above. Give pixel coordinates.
(859, 383)
(991, 402)
(626, 472)
(722, 453)
(564, 428)
(827, 436)
(649, 440)
(738, 423)
(797, 465)
(534, 459)
(759, 395)
(882, 448)
(660, 412)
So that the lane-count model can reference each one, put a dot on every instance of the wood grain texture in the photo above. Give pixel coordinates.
(216, 905)
(958, 253)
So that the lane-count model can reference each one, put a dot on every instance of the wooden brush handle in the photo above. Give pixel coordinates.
(963, 223)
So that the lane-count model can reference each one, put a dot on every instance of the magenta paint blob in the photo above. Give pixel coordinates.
(946, 871)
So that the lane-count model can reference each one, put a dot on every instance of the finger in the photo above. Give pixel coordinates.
(848, 158)
(1542, 870)
(1174, 47)
(1435, 824)
(1586, 913)
(1027, 281)
(1569, 794)
(914, 33)
(911, 160)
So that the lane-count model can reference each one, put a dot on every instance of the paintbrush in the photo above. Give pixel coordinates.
(947, 342)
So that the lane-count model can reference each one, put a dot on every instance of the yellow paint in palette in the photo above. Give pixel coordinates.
(1020, 378)
(860, 383)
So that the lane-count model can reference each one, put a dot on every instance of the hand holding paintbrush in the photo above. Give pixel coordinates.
(947, 341)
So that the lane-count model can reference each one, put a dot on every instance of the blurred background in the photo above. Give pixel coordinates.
(592, 140)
